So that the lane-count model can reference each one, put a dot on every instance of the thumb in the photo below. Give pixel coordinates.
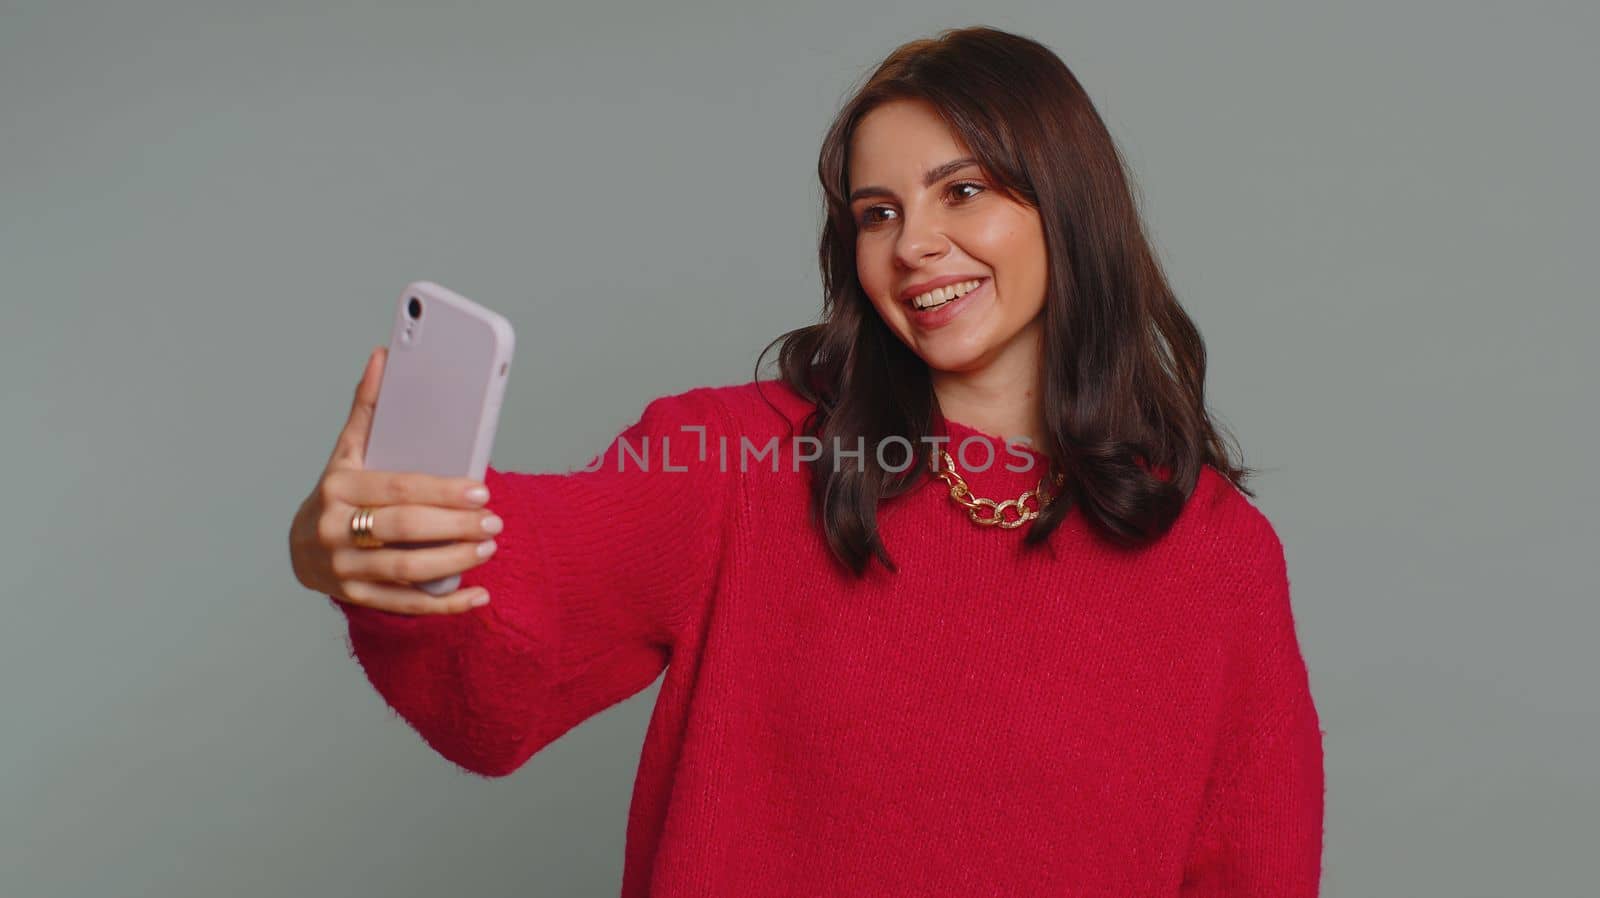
(351, 448)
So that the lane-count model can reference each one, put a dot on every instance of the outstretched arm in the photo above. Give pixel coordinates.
(596, 572)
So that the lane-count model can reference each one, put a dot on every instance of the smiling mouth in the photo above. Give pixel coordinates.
(943, 296)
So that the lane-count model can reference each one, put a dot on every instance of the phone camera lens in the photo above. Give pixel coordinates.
(415, 307)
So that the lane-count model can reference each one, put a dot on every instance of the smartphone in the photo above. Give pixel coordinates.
(439, 400)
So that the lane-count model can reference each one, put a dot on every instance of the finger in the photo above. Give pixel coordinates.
(378, 488)
(409, 524)
(410, 565)
(350, 450)
(401, 599)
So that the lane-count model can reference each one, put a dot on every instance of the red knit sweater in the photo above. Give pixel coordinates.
(1082, 721)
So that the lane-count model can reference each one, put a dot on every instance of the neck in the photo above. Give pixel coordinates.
(1001, 398)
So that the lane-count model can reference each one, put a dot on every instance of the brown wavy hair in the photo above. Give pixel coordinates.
(1124, 366)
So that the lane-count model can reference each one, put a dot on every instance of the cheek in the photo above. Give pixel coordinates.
(872, 270)
(1005, 240)
(988, 243)
(1017, 249)
(876, 280)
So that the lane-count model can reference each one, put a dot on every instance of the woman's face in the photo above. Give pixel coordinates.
(923, 220)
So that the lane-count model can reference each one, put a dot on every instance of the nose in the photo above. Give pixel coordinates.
(921, 238)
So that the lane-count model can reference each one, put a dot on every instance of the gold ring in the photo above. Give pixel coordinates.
(361, 529)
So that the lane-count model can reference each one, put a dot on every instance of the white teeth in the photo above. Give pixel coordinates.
(942, 295)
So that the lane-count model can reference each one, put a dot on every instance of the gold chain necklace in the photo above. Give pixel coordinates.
(994, 513)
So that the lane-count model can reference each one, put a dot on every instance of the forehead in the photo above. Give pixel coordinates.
(898, 141)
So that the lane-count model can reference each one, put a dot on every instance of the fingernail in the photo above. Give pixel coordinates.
(478, 494)
(485, 548)
(492, 524)
(479, 600)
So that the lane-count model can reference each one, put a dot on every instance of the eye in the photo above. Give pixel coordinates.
(867, 220)
(960, 184)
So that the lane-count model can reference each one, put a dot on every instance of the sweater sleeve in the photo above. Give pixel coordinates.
(596, 573)
(1260, 831)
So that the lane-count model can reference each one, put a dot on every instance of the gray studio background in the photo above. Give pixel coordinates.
(1382, 216)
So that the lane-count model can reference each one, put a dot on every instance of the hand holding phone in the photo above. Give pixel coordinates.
(321, 541)
(422, 426)
(439, 403)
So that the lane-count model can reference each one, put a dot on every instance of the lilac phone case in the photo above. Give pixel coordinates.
(439, 401)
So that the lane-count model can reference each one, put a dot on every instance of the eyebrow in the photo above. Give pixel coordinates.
(928, 179)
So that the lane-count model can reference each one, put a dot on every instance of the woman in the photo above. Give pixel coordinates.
(1073, 668)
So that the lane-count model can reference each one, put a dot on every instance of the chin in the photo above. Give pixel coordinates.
(954, 359)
